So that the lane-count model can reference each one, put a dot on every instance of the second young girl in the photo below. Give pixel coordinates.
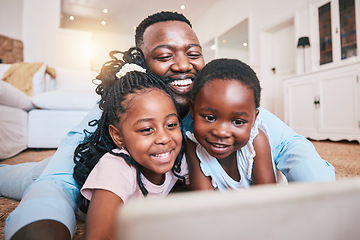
(229, 148)
(134, 151)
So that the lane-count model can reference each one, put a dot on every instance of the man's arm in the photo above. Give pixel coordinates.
(52, 197)
(294, 155)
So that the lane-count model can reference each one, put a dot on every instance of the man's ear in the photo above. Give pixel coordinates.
(191, 107)
(116, 136)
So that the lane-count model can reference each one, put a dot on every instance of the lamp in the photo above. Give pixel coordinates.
(303, 42)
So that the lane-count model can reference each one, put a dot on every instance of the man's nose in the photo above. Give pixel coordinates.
(182, 63)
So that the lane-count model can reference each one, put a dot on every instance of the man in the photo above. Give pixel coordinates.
(171, 50)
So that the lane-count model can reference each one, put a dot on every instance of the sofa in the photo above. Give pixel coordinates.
(42, 117)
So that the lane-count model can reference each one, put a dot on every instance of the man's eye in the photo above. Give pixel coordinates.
(194, 54)
(238, 122)
(210, 118)
(163, 57)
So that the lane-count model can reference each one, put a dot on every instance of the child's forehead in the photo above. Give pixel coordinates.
(225, 91)
(219, 84)
(146, 93)
(139, 97)
(152, 104)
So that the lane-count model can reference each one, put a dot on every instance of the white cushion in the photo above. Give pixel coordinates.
(38, 80)
(3, 69)
(13, 131)
(66, 100)
(13, 97)
(69, 79)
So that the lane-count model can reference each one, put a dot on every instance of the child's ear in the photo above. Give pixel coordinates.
(256, 115)
(116, 136)
(191, 107)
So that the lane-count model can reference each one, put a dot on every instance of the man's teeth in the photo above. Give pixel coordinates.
(162, 155)
(182, 82)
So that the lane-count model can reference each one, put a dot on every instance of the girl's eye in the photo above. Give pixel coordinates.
(238, 122)
(172, 125)
(146, 130)
(210, 118)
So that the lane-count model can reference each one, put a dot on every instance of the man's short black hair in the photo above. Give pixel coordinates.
(155, 18)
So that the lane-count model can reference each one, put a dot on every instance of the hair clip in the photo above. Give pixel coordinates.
(129, 67)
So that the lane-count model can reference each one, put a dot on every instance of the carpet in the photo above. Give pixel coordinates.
(343, 155)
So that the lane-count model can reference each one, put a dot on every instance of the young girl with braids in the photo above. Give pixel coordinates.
(134, 152)
(229, 148)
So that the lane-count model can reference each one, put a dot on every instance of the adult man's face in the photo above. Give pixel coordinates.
(172, 50)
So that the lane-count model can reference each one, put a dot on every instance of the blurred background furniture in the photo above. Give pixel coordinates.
(56, 101)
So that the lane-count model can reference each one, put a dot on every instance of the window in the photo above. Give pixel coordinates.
(348, 28)
(325, 34)
(337, 30)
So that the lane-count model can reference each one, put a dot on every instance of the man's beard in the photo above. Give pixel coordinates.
(181, 101)
(182, 109)
(167, 80)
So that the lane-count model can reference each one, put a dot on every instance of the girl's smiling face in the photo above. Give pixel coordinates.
(150, 131)
(224, 112)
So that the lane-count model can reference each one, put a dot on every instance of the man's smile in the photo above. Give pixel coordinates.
(182, 83)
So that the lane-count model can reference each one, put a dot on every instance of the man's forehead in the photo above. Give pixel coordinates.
(168, 26)
(163, 32)
(159, 25)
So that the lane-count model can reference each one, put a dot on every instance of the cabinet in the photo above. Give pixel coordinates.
(334, 32)
(324, 104)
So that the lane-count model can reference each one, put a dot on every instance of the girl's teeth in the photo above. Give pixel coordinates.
(182, 82)
(219, 145)
(162, 155)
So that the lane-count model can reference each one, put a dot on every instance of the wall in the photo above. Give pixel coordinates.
(12, 13)
(262, 15)
(45, 42)
(104, 42)
(36, 23)
(64, 47)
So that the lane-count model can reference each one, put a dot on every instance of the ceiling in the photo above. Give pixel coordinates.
(124, 15)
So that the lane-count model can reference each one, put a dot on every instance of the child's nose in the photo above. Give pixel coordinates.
(162, 137)
(222, 130)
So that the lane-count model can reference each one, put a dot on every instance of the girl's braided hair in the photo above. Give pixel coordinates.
(113, 91)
